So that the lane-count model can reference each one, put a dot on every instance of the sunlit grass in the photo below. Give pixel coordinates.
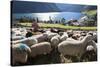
(90, 12)
(47, 25)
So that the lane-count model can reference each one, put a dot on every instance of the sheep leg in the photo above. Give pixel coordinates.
(66, 59)
(62, 58)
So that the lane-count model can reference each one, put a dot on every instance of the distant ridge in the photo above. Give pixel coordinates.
(40, 7)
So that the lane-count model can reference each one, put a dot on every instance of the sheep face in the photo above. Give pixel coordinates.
(91, 46)
(89, 37)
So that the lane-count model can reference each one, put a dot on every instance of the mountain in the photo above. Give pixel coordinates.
(40, 7)
(32, 7)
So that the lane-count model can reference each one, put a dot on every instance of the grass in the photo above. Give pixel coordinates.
(90, 12)
(44, 25)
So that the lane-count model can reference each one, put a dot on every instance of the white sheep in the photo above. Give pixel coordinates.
(74, 48)
(64, 36)
(13, 38)
(55, 41)
(40, 48)
(50, 35)
(91, 46)
(40, 37)
(29, 41)
(76, 35)
(20, 53)
(81, 37)
(95, 37)
(18, 33)
(23, 31)
(94, 34)
(61, 33)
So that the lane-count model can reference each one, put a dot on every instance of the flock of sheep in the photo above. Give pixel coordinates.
(67, 43)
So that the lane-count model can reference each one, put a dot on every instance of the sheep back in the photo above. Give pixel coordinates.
(40, 48)
(74, 47)
(50, 35)
(29, 41)
(69, 48)
(17, 38)
(55, 40)
(41, 37)
(20, 53)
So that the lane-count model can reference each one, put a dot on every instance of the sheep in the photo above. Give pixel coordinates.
(29, 41)
(90, 53)
(83, 34)
(13, 38)
(70, 34)
(64, 36)
(20, 53)
(60, 33)
(90, 32)
(23, 32)
(91, 46)
(95, 37)
(74, 48)
(54, 30)
(50, 35)
(76, 35)
(94, 34)
(55, 41)
(41, 37)
(18, 33)
(40, 48)
(41, 30)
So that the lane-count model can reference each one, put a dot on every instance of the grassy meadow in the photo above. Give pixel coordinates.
(47, 25)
